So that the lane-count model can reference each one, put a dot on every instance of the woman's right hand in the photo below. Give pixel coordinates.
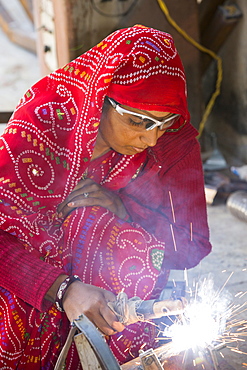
(89, 193)
(92, 301)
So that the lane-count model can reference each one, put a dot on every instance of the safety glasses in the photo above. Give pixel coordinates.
(146, 122)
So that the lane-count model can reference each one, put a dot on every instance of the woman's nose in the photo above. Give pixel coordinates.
(150, 138)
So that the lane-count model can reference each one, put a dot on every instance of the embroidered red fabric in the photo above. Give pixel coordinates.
(45, 150)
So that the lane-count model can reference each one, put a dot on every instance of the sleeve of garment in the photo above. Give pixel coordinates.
(171, 205)
(24, 274)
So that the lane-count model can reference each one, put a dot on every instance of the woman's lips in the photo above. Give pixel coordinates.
(138, 150)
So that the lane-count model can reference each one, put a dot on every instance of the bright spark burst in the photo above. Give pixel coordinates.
(209, 321)
(203, 320)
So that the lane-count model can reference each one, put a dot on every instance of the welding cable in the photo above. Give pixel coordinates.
(202, 48)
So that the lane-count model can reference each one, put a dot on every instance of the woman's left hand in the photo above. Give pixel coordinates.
(89, 193)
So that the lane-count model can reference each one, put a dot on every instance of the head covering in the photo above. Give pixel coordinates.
(150, 75)
(50, 138)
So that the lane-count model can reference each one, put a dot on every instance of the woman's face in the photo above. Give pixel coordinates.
(126, 134)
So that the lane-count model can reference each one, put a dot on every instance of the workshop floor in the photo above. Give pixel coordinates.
(19, 69)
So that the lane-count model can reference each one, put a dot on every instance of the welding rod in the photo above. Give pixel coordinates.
(154, 309)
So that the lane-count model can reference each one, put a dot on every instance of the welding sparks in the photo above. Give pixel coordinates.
(173, 238)
(208, 319)
(172, 208)
(203, 321)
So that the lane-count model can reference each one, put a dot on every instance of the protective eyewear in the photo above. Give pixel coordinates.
(151, 122)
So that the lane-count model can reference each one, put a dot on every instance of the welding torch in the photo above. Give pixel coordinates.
(134, 309)
(155, 309)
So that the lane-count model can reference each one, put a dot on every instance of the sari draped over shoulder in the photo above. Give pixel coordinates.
(45, 151)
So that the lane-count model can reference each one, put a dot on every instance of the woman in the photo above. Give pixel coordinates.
(100, 177)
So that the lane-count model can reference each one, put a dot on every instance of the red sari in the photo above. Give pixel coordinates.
(46, 149)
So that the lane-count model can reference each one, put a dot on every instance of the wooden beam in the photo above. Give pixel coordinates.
(224, 21)
(15, 34)
(206, 10)
(53, 33)
(28, 7)
(5, 116)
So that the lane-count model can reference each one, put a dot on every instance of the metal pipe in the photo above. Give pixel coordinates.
(237, 204)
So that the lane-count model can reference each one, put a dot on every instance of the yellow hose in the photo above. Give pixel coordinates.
(211, 102)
